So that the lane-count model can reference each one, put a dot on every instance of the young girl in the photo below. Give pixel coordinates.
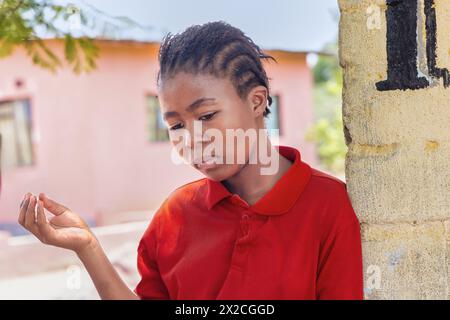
(237, 233)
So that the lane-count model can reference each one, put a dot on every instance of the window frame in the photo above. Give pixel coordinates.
(147, 96)
(31, 130)
(277, 97)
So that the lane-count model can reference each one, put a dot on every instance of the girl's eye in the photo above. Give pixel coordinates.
(207, 117)
(176, 127)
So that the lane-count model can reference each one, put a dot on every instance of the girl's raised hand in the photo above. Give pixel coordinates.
(65, 229)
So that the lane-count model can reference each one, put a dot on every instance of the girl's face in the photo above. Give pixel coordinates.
(188, 99)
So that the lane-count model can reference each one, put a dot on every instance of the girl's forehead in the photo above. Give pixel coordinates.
(184, 86)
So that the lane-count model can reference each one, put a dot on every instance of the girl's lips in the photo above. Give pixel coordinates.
(204, 166)
(207, 163)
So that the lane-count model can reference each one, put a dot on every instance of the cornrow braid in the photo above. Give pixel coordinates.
(219, 49)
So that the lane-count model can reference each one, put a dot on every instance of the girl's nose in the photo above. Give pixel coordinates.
(194, 135)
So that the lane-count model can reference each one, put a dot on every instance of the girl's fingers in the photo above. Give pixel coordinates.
(23, 209)
(30, 223)
(45, 230)
(52, 206)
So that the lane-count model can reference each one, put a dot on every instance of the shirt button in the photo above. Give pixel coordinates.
(244, 223)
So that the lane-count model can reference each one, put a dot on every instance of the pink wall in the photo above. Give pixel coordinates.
(90, 135)
(293, 81)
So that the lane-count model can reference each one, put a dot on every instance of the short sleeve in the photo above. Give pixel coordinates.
(340, 271)
(151, 285)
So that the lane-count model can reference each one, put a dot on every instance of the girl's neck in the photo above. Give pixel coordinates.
(250, 184)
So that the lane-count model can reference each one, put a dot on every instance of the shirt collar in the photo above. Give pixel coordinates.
(281, 198)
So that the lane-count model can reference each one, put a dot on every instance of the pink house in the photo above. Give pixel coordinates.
(94, 141)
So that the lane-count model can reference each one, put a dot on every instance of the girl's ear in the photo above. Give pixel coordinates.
(258, 100)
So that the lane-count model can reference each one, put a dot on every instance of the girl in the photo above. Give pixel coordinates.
(237, 233)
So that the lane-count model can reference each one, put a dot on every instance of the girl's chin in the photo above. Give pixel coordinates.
(215, 173)
(205, 167)
(220, 172)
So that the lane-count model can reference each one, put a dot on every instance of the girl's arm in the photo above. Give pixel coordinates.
(66, 229)
(107, 281)
(340, 271)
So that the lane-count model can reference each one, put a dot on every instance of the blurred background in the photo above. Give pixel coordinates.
(80, 121)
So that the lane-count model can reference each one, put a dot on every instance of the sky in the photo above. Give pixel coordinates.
(297, 25)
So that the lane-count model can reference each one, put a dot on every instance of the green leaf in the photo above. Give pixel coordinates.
(6, 48)
(70, 49)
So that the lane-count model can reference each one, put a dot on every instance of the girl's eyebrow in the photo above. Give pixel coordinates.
(194, 105)
(197, 103)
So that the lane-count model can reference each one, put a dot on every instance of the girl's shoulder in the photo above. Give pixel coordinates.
(187, 192)
(180, 201)
(331, 192)
(326, 177)
(326, 184)
(184, 196)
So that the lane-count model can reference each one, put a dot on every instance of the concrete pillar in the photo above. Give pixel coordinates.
(396, 110)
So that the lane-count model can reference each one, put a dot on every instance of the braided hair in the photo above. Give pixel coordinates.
(218, 49)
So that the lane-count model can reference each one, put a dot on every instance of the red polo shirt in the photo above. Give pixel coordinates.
(300, 241)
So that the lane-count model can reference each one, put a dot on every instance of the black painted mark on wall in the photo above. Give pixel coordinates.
(431, 27)
(401, 47)
(402, 73)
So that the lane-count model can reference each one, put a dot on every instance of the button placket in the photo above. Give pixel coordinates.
(243, 242)
(241, 246)
(245, 224)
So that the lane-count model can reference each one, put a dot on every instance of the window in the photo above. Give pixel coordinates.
(157, 127)
(15, 130)
(273, 119)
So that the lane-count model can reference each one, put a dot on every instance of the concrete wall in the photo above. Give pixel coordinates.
(396, 108)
